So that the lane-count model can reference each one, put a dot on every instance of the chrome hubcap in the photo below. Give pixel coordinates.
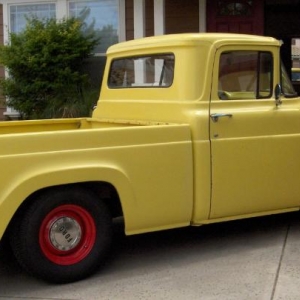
(65, 234)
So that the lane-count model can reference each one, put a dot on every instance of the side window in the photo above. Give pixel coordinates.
(286, 84)
(245, 75)
(142, 71)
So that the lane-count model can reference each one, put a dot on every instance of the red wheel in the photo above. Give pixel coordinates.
(63, 236)
(67, 234)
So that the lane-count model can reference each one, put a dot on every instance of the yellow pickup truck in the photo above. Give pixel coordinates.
(190, 129)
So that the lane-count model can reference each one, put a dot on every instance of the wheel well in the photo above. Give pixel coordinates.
(103, 190)
(108, 194)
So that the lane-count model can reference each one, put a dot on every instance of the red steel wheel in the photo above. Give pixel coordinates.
(67, 234)
(62, 235)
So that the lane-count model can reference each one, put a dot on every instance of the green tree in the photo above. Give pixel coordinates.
(45, 67)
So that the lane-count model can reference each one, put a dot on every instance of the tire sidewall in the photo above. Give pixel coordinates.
(37, 262)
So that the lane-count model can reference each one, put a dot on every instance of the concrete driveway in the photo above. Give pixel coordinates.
(249, 259)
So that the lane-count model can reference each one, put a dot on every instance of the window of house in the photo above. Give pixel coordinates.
(19, 13)
(102, 16)
(144, 71)
(235, 8)
(245, 75)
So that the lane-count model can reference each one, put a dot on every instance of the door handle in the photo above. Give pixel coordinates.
(215, 117)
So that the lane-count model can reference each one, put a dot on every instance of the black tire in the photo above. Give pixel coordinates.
(63, 236)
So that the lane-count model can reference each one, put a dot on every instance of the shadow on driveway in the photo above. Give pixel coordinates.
(173, 264)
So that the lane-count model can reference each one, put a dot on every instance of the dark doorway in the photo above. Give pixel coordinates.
(282, 22)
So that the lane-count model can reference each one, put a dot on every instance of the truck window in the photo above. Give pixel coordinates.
(286, 84)
(142, 71)
(245, 75)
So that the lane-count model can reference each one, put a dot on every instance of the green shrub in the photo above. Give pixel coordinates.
(45, 66)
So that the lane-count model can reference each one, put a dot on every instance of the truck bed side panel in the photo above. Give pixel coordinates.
(150, 167)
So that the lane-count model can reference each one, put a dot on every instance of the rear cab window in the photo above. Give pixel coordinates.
(155, 70)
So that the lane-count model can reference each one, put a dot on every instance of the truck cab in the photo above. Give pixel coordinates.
(242, 110)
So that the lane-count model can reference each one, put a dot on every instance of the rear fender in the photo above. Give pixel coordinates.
(20, 190)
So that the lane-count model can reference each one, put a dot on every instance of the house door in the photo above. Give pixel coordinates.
(241, 16)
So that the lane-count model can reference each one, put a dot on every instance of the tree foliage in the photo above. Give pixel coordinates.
(44, 64)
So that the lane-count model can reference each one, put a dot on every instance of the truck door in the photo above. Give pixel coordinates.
(255, 144)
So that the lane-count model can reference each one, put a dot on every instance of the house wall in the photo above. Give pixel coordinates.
(129, 20)
(179, 17)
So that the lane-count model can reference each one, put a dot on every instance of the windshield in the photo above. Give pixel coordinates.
(286, 84)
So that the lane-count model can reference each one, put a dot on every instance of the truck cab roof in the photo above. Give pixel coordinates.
(186, 39)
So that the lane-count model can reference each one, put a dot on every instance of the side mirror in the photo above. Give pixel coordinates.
(278, 95)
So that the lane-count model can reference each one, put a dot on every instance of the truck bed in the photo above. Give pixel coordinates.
(130, 155)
